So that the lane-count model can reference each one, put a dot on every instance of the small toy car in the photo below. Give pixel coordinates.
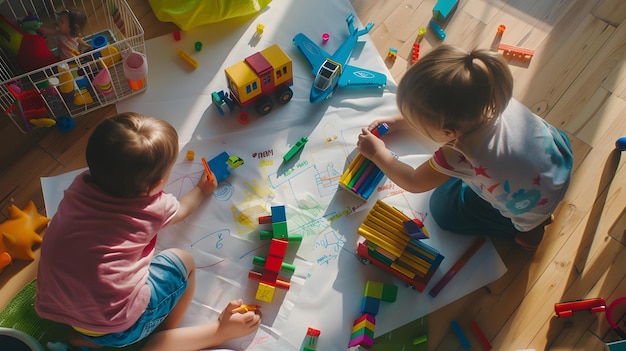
(235, 161)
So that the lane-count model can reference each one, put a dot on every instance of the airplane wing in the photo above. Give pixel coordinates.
(360, 77)
(313, 52)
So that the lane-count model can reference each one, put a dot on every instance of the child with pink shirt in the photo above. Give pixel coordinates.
(99, 273)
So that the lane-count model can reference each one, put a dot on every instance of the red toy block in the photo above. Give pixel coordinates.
(281, 282)
(516, 53)
(273, 263)
(269, 277)
(278, 247)
(567, 309)
(265, 219)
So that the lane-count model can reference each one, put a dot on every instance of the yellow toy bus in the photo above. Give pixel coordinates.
(255, 80)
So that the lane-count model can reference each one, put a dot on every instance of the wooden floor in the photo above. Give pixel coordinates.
(576, 81)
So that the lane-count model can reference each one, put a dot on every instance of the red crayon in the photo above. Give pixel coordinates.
(457, 266)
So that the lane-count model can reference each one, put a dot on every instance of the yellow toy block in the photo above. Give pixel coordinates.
(364, 324)
(265, 292)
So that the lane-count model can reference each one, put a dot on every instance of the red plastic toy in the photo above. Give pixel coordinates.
(567, 309)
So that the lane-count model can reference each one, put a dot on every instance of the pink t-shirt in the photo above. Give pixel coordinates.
(95, 257)
(66, 46)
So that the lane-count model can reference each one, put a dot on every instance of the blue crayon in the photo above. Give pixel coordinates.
(460, 335)
(370, 189)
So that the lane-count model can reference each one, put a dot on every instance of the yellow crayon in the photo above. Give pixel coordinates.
(345, 174)
(396, 225)
(352, 169)
(187, 58)
(415, 262)
(246, 308)
(401, 217)
(384, 234)
(375, 238)
(402, 270)
(421, 250)
(390, 232)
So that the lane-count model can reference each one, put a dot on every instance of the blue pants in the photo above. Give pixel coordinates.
(456, 208)
(167, 280)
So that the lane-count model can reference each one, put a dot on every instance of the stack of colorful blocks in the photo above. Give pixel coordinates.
(364, 327)
(310, 341)
(363, 176)
(269, 279)
(389, 246)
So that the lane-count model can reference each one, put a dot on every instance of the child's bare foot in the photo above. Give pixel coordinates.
(531, 240)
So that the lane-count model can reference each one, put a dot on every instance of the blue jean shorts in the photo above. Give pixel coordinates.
(167, 280)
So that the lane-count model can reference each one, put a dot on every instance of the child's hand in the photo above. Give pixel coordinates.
(369, 145)
(207, 186)
(394, 122)
(235, 324)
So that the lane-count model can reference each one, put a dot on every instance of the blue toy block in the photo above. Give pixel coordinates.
(414, 229)
(443, 9)
(219, 166)
(441, 34)
(370, 305)
(279, 214)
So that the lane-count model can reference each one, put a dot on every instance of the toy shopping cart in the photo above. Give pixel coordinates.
(37, 88)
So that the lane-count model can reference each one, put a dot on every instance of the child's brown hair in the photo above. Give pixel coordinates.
(453, 89)
(76, 20)
(129, 153)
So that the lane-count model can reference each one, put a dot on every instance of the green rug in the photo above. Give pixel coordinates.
(401, 339)
(20, 314)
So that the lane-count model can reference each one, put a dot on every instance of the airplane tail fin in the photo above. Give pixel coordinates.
(350, 22)
(353, 30)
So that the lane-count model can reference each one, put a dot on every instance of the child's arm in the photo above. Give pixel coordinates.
(47, 31)
(228, 326)
(192, 200)
(415, 180)
(83, 43)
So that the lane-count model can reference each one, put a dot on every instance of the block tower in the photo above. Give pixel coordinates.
(269, 279)
(364, 327)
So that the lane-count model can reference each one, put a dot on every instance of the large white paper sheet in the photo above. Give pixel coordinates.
(328, 285)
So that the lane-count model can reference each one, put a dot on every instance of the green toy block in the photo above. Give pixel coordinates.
(265, 234)
(280, 230)
(373, 289)
(295, 238)
(390, 293)
(367, 331)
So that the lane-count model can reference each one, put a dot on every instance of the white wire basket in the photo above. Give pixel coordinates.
(37, 89)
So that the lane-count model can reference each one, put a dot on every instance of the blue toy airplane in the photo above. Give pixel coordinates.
(333, 70)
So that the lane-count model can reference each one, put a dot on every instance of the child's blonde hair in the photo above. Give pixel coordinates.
(452, 89)
(129, 153)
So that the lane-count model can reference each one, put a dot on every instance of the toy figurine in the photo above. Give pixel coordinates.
(18, 233)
